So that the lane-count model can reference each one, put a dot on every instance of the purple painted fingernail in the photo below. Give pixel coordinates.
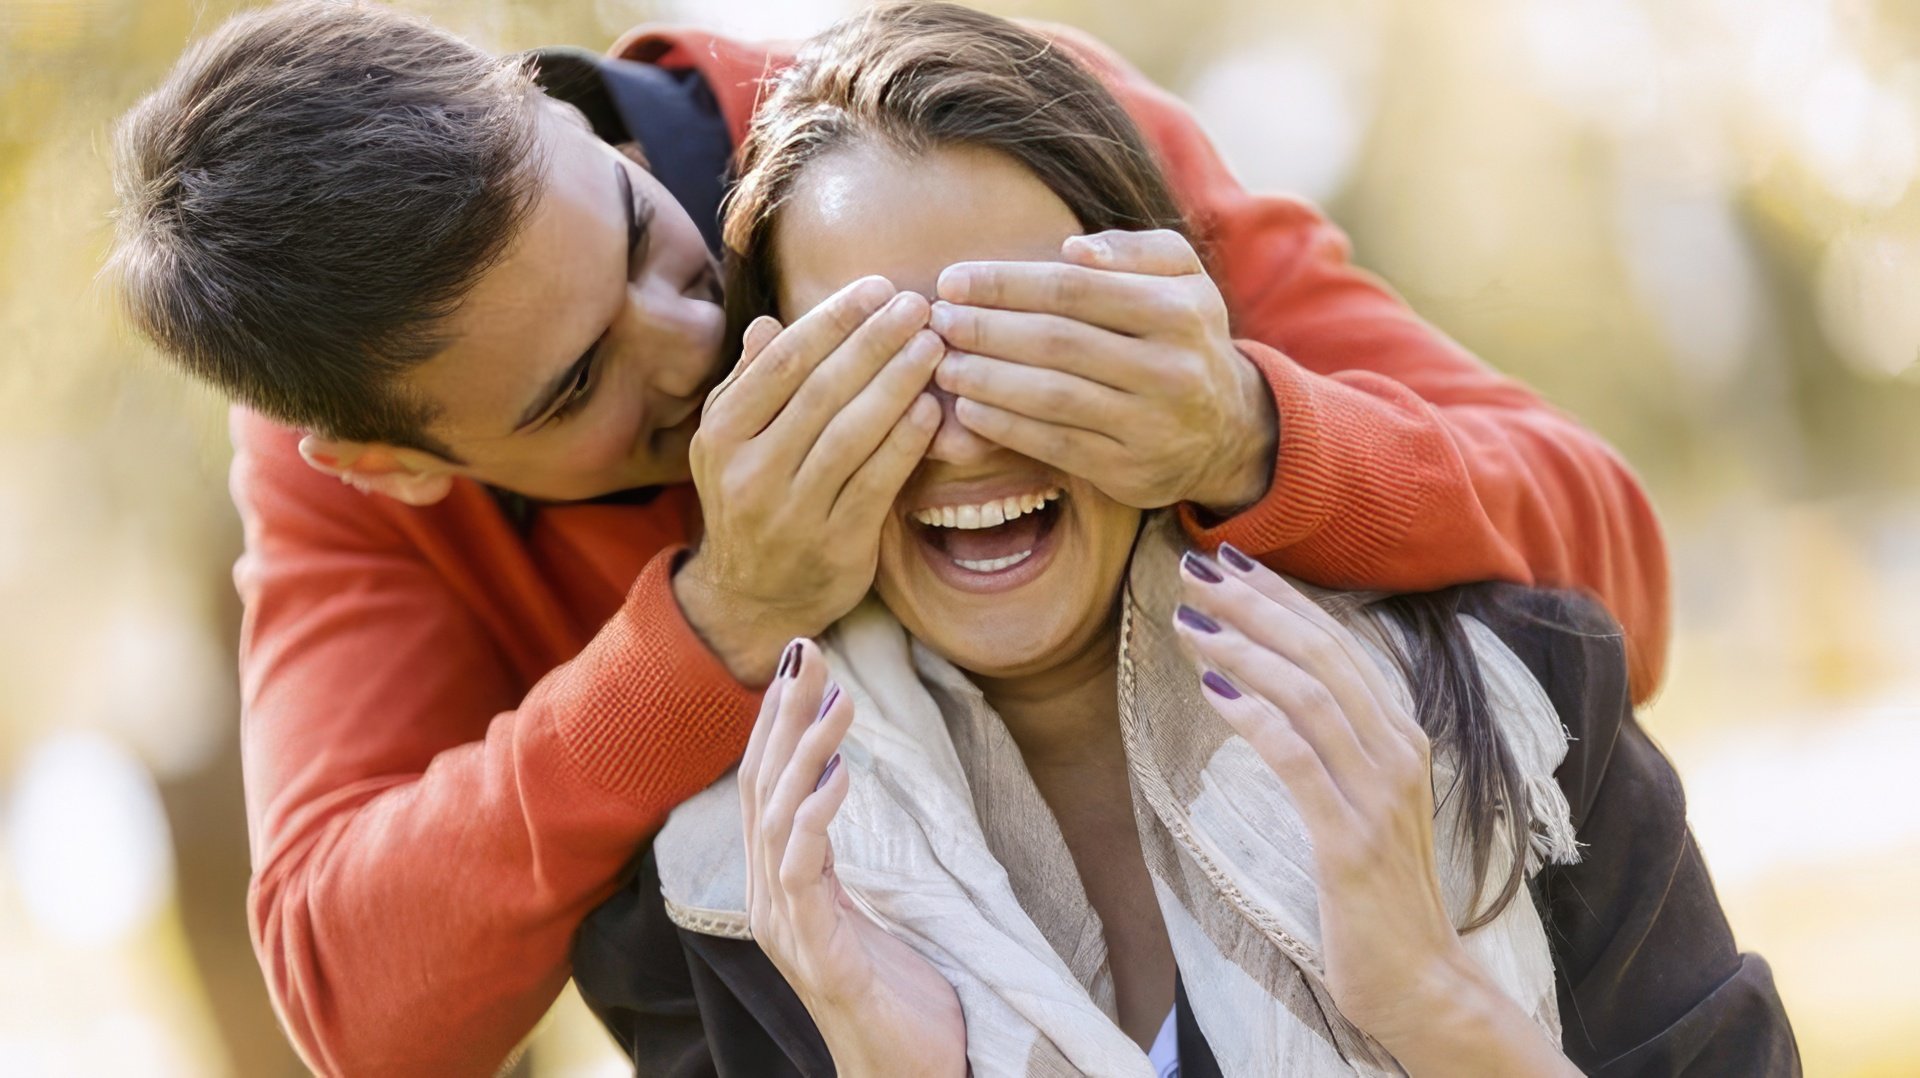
(789, 660)
(1201, 569)
(1232, 556)
(1193, 619)
(1220, 686)
(827, 771)
(826, 705)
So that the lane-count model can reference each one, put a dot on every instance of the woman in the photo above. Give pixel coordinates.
(1044, 845)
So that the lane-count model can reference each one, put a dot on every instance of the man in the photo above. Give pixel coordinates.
(470, 700)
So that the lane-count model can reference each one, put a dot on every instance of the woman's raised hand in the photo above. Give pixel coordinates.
(882, 1009)
(1298, 686)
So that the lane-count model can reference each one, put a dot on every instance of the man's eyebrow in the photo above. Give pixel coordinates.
(549, 394)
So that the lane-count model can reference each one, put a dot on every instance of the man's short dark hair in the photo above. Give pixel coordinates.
(309, 196)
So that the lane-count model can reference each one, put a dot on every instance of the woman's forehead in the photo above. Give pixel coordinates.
(869, 209)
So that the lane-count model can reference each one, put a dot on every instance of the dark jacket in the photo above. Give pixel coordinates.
(1650, 980)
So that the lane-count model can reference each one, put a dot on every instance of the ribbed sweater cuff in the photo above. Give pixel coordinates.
(1345, 487)
(647, 711)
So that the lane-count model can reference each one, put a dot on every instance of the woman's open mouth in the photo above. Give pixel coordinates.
(990, 545)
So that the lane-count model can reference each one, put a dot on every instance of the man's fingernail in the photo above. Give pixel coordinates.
(1091, 246)
(826, 705)
(942, 317)
(1238, 561)
(1219, 686)
(954, 282)
(1201, 569)
(827, 771)
(925, 344)
(789, 660)
(1193, 619)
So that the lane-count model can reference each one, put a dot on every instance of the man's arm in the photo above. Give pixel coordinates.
(1403, 462)
(425, 842)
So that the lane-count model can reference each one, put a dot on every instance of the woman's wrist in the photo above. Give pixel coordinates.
(1458, 1022)
(857, 1038)
(856, 1054)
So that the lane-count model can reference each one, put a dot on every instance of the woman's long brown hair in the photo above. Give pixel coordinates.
(915, 77)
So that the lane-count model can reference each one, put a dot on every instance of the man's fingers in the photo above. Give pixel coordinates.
(1130, 303)
(758, 392)
(869, 494)
(1048, 395)
(1160, 252)
(1070, 449)
(841, 376)
(1048, 340)
(853, 435)
(760, 333)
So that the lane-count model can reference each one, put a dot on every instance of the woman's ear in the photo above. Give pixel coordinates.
(405, 476)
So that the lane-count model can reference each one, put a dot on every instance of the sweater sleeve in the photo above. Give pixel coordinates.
(1404, 463)
(1650, 981)
(424, 841)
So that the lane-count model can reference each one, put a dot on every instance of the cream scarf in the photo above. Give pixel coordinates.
(945, 841)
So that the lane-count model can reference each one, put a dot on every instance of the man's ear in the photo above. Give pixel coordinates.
(404, 475)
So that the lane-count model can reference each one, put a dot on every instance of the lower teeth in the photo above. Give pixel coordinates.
(993, 565)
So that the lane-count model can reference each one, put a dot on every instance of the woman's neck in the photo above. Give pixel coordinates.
(1067, 714)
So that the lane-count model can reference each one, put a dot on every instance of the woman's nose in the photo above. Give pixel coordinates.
(953, 443)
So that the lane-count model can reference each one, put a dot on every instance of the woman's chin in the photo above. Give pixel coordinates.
(1025, 628)
(990, 651)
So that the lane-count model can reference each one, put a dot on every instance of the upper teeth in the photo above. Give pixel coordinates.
(985, 514)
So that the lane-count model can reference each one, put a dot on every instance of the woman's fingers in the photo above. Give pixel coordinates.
(799, 701)
(746, 778)
(1309, 708)
(806, 867)
(1269, 583)
(769, 709)
(1276, 742)
(800, 778)
(1277, 617)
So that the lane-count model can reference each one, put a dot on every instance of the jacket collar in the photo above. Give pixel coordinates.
(670, 112)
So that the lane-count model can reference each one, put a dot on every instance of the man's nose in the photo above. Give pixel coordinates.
(953, 443)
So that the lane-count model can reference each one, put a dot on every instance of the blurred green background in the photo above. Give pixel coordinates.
(1695, 223)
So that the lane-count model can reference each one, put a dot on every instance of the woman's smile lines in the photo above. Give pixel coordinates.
(988, 514)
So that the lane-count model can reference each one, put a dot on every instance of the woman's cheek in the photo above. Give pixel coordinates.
(889, 576)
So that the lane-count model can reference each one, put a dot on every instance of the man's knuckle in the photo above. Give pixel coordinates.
(1055, 398)
(737, 488)
(1068, 285)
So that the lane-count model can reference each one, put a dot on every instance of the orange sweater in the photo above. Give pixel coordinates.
(457, 732)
